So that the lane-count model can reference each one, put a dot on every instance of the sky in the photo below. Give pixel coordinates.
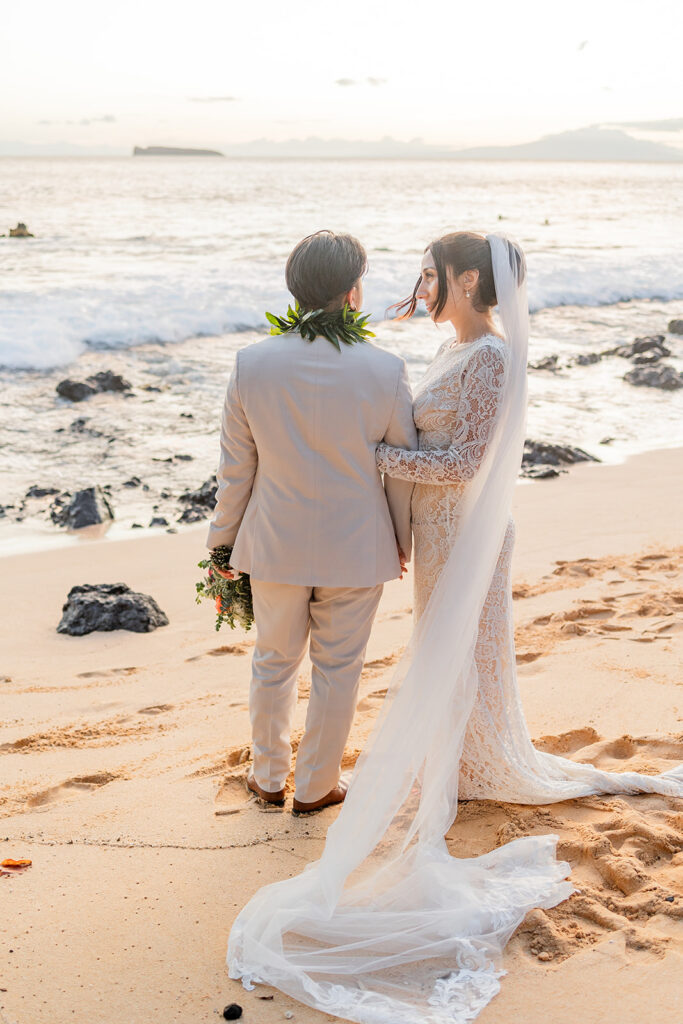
(216, 73)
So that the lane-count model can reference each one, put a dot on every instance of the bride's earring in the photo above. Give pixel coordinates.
(467, 295)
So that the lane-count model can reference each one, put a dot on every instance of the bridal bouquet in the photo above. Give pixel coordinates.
(231, 597)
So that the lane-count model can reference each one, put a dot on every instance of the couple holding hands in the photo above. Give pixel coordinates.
(331, 475)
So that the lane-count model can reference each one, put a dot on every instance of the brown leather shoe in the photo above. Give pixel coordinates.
(276, 799)
(335, 796)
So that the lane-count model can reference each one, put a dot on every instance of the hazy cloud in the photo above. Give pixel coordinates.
(672, 124)
(582, 45)
(105, 119)
(212, 99)
(361, 81)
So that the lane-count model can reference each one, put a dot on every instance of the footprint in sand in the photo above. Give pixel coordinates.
(567, 742)
(625, 855)
(525, 657)
(155, 709)
(71, 787)
(234, 758)
(615, 570)
(107, 733)
(378, 665)
(106, 672)
(220, 652)
(646, 752)
(233, 796)
(371, 701)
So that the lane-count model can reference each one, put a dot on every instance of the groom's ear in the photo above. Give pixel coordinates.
(354, 296)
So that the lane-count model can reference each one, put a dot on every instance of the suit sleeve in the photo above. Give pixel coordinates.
(401, 433)
(236, 469)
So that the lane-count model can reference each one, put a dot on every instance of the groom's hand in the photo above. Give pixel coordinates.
(227, 575)
(402, 560)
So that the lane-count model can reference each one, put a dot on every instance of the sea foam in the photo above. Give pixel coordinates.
(42, 330)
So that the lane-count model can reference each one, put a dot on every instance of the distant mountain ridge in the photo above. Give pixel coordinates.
(598, 142)
(592, 143)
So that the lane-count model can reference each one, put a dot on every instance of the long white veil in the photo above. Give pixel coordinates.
(387, 927)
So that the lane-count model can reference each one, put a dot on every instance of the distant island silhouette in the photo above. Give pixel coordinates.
(172, 151)
(594, 143)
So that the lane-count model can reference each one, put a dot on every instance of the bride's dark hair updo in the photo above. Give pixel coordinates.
(461, 251)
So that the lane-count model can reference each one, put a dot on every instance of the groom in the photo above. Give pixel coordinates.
(302, 503)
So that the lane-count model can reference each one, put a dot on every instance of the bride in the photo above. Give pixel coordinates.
(388, 927)
(455, 410)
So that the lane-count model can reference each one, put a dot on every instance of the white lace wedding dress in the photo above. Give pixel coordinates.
(455, 409)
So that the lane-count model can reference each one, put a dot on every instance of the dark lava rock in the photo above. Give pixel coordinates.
(190, 415)
(588, 359)
(107, 380)
(543, 453)
(204, 495)
(541, 472)
(542, 460)
(107, 606)
(136, 526)
(184, 458)
(20, 231)
(158, 521)
(58, 508)
(675, 327)
(648, 349)
(547, 363)
(41, 492)
(79, 426)
(192, 515)
(134, 481)
(650, 358)
(74, 390)
(664, 377)
(85, 508)
(232, 1012)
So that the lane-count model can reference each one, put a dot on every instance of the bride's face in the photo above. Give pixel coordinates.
(428, 290)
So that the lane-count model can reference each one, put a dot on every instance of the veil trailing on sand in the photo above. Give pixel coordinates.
(387, 927)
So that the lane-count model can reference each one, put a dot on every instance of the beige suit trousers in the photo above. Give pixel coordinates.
(338, 621)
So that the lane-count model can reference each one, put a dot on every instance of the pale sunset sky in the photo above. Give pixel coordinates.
(220, 72)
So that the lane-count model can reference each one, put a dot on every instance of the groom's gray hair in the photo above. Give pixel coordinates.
(323, 267)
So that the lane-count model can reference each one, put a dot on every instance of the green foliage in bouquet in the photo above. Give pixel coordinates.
(342, 325)
(232, 598)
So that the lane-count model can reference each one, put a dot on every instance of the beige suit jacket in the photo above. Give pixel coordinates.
(299, 494)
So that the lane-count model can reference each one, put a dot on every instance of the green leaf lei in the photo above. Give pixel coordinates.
(342, 325)
(232, 598)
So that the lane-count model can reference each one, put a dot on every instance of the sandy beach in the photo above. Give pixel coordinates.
(124, 756)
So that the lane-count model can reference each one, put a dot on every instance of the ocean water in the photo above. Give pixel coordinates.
(162, 268)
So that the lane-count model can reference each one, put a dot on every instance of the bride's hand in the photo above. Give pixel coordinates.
(402, 560)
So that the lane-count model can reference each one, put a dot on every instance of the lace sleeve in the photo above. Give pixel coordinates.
(472, 420)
